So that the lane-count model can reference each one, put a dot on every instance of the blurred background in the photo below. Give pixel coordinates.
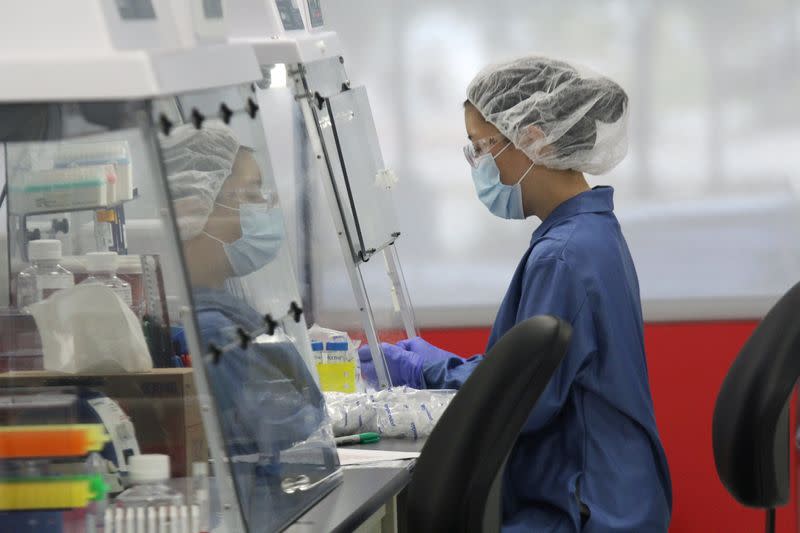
(708, 197)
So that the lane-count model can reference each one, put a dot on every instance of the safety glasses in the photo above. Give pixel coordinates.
(246, 195)
(476, 149)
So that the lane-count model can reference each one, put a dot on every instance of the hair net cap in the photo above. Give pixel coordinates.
(562, 116)
(197, 163)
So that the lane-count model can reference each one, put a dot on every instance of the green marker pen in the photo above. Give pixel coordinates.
(361, 438)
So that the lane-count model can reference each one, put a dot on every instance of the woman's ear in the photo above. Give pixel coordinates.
(534, 137)
(191, 213)
(531, 135)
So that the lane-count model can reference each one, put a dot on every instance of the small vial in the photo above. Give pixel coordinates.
(102, 268)
(149, 474)
(45, 275)
(200, 496)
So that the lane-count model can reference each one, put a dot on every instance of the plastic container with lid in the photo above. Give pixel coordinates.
(102, 268)
(148, 474)
(116, 153)
(45, 275)
(63, 189)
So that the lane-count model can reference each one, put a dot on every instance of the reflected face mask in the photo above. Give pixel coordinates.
(504, 201)
(262, 234)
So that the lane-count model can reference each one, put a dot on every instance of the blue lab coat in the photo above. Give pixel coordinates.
(592, 436)
(267, 402)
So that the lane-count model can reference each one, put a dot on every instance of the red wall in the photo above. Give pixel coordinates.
(687, 363)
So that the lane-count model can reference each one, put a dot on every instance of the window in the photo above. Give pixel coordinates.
(708, 197)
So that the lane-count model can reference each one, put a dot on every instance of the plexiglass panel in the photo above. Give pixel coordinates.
(325, 77)
(361, 179)
(180, 191)
(252, 331)
(90, 261)
(340, 192)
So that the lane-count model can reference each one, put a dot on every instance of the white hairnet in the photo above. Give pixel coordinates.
(197, 163)
(561, 116)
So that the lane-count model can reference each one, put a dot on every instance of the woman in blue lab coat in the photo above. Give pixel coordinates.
(589, 458)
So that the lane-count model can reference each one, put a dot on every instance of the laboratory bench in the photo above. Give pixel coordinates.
(370, 497)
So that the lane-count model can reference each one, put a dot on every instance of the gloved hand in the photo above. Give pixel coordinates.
(405, 361)
(405, 368)
(429, 352)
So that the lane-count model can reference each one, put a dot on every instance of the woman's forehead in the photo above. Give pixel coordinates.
(245, 172)
(477, 127)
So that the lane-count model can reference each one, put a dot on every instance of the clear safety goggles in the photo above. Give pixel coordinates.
(246, 195)
(477, 149)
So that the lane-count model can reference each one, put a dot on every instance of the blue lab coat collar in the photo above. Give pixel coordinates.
(596, 200)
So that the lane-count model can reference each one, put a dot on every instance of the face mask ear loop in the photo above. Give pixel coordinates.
(526, 173)
(227, 206)
(207, 234)
(501, 151)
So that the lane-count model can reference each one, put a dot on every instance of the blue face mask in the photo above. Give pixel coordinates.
(262, 234)
(504, 201)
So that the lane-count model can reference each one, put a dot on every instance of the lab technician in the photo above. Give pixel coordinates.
(589, 457)
(267, 399)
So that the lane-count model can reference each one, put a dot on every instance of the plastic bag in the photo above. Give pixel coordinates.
(88, 328)
(402, 412)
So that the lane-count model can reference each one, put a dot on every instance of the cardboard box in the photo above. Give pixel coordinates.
(162, 405)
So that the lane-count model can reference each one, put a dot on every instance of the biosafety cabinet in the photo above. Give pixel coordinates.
(339, 191)
(140, 224)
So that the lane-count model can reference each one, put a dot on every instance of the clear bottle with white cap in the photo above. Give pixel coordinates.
(102, 268)
(148, 473)
(45, 275)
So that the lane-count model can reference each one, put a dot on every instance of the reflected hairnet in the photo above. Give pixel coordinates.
(561, 116)
(197, 163)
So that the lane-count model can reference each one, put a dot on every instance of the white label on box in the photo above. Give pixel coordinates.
(119, 427)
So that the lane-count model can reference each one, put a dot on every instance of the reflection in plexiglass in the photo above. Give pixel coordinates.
(272, 413)
(97, 315)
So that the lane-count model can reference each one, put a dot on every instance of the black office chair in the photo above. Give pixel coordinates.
(750, 428)
(456, 482)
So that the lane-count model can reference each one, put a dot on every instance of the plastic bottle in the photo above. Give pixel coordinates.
(45, 275)
(102, 268)
(148, 474)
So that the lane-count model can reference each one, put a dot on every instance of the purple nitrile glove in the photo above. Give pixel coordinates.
(428, 352)
(405, 367)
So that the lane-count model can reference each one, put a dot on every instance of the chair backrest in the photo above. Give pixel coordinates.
(452, 482)
(750, 428)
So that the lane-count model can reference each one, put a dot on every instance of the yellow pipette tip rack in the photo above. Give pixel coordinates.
(64, 440)
(66, 492)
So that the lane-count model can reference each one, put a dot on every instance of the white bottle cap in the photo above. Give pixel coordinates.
(44, 249)
(147, 468)
(101, 262)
